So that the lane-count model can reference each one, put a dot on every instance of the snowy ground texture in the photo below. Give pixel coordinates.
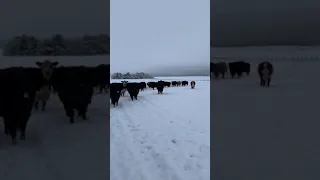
(162, 137)
(267, 133)
(54, 149)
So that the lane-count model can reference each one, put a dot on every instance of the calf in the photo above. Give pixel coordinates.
(42, 96)
(124, 89)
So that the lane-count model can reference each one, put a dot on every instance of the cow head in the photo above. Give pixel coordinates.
(47, 68)
(265, 65)
(124, 83)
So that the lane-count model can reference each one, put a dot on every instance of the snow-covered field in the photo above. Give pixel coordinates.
(168, 78)
(162, 137)
(267, 133)
(64, 60)
(270, 53)
(54, 149)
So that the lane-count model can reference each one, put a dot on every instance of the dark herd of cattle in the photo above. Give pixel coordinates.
(23, 87)
(119, 89)
(238, 68)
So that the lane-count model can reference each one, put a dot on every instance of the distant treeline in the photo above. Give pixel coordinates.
(138, 75)
(234, 43)
(58, 45)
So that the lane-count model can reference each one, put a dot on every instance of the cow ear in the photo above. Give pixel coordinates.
(39, 63)
(54, 64)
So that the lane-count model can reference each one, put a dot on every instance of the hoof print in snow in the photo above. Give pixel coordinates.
(174, 141)
(148, 147)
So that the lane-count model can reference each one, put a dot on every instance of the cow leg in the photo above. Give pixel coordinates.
(36, 105)
(216, 75)
(131, 97)
(239, 74)
(11, 128)
(23, 126)
(69, 112)
(101, 88)
(82, 109)
(268, 82)
(43, 105)
(263, 82)
(84, 115)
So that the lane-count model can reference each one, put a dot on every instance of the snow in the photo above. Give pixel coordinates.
(8, 61)
(270, 53)
(54, 149)
(267, 133)
(162, 136)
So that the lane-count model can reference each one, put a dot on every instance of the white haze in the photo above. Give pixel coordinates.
(159, 37)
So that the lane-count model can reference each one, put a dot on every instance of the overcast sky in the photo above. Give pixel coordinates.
(46, 17)
(246, 22)
(154, 36)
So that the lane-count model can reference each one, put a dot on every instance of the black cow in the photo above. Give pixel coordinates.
(219, 68)
(184, 83)
(75, 88)
(167, 84)
(239, 67)
(193, 84)
(18, 89)
(174, 83)
(160, 87)
(103, 76)
(115, 93)
(133, 90)
(143, 85)
(265, 71)
(152, 85)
